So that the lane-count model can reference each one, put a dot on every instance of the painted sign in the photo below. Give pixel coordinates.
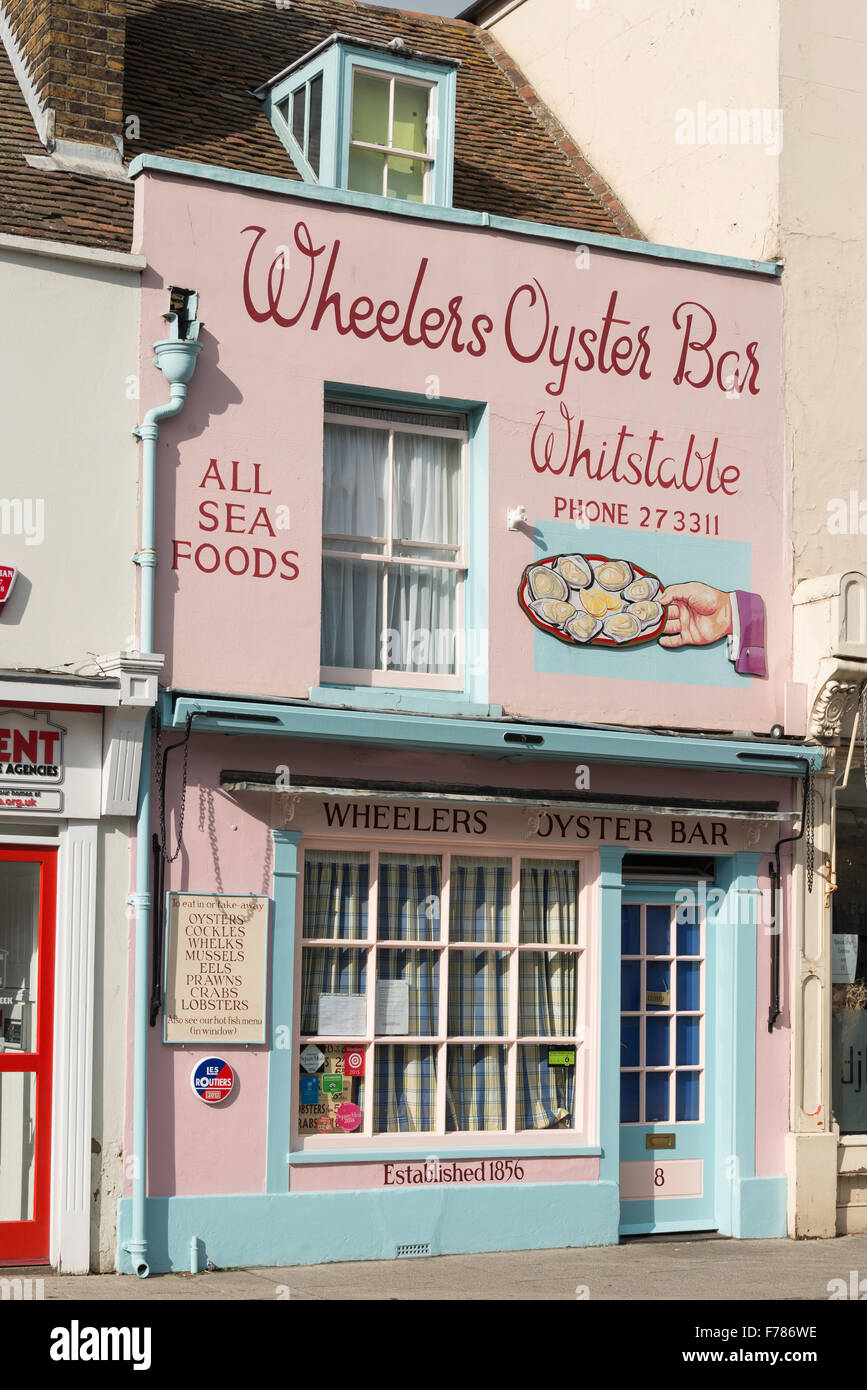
(435, 1171)
(212, 1080)
(216, 955)
(50, 763)
(634, 411)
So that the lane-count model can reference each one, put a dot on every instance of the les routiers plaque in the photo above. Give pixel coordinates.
(216, 955)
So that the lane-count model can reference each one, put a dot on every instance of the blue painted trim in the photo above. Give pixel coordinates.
(736, 1044)
(649, 1227)
(451, 1154)
(761, 1204)
(455, 734)
(294, 188)
(307, 1228)
(281, 1056)
(610, 884)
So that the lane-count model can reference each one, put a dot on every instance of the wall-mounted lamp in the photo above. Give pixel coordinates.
(514, 516)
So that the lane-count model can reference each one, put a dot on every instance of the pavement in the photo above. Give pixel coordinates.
(648, 1268)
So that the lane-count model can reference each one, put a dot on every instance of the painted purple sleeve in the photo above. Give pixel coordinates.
(750, 660)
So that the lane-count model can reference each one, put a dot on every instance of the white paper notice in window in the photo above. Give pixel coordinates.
(844, 957)
(342, 1015)
(392, 1007)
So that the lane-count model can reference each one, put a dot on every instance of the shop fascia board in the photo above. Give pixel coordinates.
(522, 741)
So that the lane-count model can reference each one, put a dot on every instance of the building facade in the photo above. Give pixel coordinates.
(724, 159)
(466, 916)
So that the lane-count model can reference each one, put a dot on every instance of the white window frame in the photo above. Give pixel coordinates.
(427, 157)
(382, 676)
(586, 1003)
(672, 1014)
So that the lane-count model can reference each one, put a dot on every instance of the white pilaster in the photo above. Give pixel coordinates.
(73, 1048)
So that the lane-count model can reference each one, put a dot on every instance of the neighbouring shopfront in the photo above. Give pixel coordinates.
(69, 750)
(467, 912)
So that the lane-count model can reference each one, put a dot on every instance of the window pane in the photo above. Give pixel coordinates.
(476, 1088)
(327, 970)
(351, 614)
(298, 101)
(422, 634)
(405, 179)
(355, 483)
(18, 1102)
(688, 979)
(658, 933)
(314, 124)
(549, 902)
(19, 957)
(630, 986)
(630, 930)
(656, 1042)
(335, 894)
(545, 1094)
(407, 991)
(427, 489)
(547, 994)
(409, 126)
(629, 1097)
(687, 1095)
(329, 1101)
(479, 899)
(405, 1084)
(656, 1095)
(366, 170)
(629, 1042)
(409, 897)
(688, 1034)
(658, 986)
(688, 934)
(478, 993)
(370, 108)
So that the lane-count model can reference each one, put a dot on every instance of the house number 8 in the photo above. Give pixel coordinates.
(659, 1177)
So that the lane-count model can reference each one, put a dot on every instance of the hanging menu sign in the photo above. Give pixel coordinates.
(216, 955)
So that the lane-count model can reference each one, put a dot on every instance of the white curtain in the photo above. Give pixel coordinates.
(417, 632)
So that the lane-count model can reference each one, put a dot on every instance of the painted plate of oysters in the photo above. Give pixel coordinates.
(593, 601)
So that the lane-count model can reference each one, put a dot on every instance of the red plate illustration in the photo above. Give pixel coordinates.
(599, 639)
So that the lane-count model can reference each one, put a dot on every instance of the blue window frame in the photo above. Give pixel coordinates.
(370, 119)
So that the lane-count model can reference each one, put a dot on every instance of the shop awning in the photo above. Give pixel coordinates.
(367, 790)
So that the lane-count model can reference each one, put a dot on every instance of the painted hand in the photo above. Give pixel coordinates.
(697, 615)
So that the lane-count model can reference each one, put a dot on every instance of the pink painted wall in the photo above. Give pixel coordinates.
(257, 399)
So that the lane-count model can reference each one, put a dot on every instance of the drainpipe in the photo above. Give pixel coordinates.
(176, 359)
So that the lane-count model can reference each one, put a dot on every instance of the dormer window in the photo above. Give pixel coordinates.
(374, 119)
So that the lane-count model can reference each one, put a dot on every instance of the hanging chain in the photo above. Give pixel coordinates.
(863, 712)
(161, 793)
(810, 825)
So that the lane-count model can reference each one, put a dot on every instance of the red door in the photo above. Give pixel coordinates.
(28, 879)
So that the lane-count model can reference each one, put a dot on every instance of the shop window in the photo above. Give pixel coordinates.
(662, 1017)
(453, 1001)
(394, 545)
(849, 975)
(371, 119)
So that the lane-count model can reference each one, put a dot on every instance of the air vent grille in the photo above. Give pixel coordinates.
(404, 1252)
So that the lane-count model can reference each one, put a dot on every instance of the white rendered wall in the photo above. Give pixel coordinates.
(69, 343)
